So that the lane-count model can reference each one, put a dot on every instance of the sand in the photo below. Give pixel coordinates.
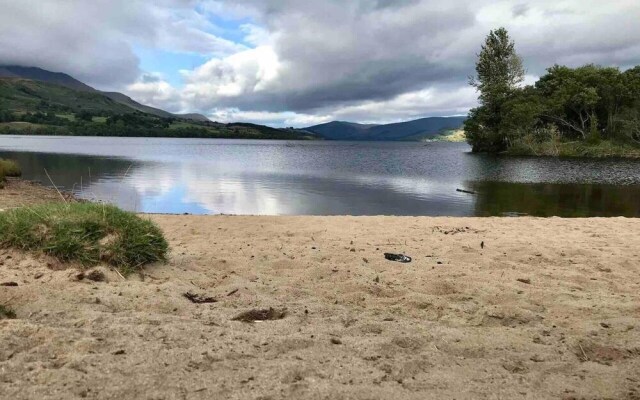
(549, 308)
(18, 192)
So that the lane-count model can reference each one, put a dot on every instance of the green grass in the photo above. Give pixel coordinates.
(559, 148)
(9, 168)
(27, 95)
(182, 125)
(69, 117)
(84, 232)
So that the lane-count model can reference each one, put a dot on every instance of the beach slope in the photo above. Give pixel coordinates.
(488, 308)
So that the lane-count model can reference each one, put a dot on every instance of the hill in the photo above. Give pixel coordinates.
(43, 108)
(38, 74)
(25, 95)
(339, 130)
(415, 130)
(62, 79)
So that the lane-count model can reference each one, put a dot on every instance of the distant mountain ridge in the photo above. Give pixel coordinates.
(419, 129)
(62, 79)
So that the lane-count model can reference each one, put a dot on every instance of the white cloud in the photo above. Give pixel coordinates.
(307, 61)
(152, 90)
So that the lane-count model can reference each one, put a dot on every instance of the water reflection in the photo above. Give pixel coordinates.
(554, 199)
(324, 178)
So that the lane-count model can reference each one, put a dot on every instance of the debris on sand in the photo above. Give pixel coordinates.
(9, 284)
(335, 341)
(234, 291)
(199, 298)
(524, 280)
(260, 315)
(397, 257)
(454, 230)
(7, 313)
(96, 276)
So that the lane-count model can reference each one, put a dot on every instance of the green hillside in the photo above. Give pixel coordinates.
(40, 108)
(62, 79)
(22, 95)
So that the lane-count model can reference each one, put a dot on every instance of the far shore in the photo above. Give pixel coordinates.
(487, 308)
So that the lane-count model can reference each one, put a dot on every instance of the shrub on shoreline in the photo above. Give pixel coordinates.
(88, 233)
(9, 168)
(603, 149)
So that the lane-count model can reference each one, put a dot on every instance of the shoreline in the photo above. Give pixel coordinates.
(19, 192)
(488, 308)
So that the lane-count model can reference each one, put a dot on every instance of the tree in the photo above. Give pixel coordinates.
(499, 72)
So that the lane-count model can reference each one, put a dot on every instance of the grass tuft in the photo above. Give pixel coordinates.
(9, 168)
(85, 232)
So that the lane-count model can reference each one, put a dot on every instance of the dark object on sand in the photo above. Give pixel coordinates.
(465, 191)
(199, 298)
(524, 280)
(9, 284)
(397, 257)
(260, 315)
(96, 276)
(7, 313)
(482, 245)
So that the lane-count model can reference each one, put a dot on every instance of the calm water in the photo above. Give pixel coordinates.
(275, 177)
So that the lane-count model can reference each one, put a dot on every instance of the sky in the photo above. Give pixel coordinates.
(303, 62)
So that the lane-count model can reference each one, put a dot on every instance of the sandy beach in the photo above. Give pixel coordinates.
(546, 308)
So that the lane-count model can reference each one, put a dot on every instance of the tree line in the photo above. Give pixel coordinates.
(585, 105)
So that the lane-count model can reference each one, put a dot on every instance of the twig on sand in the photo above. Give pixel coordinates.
(583, 353)
(199, 298)
(118, 272)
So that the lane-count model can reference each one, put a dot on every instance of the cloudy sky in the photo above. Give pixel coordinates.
(302, 62)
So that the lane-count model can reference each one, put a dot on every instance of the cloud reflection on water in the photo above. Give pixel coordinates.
(324, 178)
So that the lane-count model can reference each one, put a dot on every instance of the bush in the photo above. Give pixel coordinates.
(84, 232)
(9, 168)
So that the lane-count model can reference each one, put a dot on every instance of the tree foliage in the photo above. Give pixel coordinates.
(587, 104)
(499, 71)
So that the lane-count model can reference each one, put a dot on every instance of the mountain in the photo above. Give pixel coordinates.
(419, 129)
(35, 107)
(339, 130)
(62, 79)
(38, 74)
(22, 95)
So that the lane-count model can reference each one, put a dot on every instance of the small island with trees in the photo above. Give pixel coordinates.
(590, 111)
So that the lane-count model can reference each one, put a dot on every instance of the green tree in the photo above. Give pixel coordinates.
(499, 72)
(583, 100)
